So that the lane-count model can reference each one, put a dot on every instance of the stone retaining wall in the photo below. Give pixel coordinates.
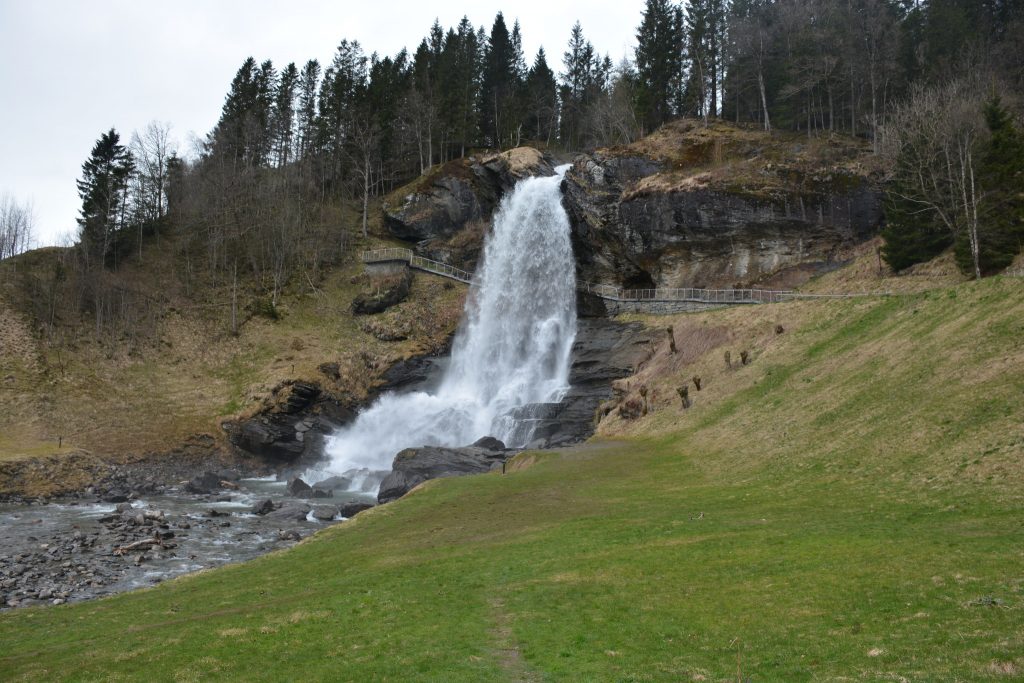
(659, 307)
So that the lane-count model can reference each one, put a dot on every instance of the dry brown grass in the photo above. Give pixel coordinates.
(114, 402)
(868, 272)
(744, 160)
(931, 379)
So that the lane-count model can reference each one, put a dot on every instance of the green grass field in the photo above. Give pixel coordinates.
(847, 507)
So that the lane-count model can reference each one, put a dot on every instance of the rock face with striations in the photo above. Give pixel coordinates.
(446, 211)
(719, 207)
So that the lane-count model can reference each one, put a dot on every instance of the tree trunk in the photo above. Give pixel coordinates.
(234, 298)
(764, 100)
(366, 192)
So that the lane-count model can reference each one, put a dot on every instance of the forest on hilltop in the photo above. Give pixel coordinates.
(286, 180)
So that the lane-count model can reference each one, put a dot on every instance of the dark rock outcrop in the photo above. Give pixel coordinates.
(604, 351)
(413, 466)
(455, 196)
(418, 372)
(640, 222)
(387, 293)
(490, 443)
(291, 428)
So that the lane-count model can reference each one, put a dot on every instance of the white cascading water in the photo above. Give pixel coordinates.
(512, 349)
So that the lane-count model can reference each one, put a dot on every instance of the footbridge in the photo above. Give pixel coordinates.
(616, 299)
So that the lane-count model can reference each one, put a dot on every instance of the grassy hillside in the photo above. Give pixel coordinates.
(845, 507)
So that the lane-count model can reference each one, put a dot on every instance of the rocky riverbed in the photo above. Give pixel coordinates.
(87, 546)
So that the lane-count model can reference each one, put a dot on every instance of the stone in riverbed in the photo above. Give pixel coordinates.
(333, 484)
(207, 482)
(325, 513)
(354, 508)
(263, 507)
(290, 511)
(299, 488)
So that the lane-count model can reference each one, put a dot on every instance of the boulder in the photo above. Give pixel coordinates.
(263, 507)
(333, 484)
(290, 511)
(207, 482)
(416, 465)
(322, 493)
(324, 513)
(489, 443)
(353, 508)
(299, 488)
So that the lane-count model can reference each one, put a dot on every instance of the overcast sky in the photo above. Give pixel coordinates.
(72, 69)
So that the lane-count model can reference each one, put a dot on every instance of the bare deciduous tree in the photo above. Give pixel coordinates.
(17, 224)
(932, 141)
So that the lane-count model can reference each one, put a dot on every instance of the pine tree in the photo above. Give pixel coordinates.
(102, 189)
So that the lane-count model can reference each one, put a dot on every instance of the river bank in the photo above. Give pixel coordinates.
(86, 546)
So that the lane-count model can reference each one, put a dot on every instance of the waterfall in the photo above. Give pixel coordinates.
(512, 348)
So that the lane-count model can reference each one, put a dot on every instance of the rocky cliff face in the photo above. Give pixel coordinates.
(719, 207)
(446, 212)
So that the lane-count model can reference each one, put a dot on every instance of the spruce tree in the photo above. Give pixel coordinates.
(658, 54)
(542, 100)
(578, 60)
(102, 189)
(283, 126)
(499, 84)
(309, 82)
